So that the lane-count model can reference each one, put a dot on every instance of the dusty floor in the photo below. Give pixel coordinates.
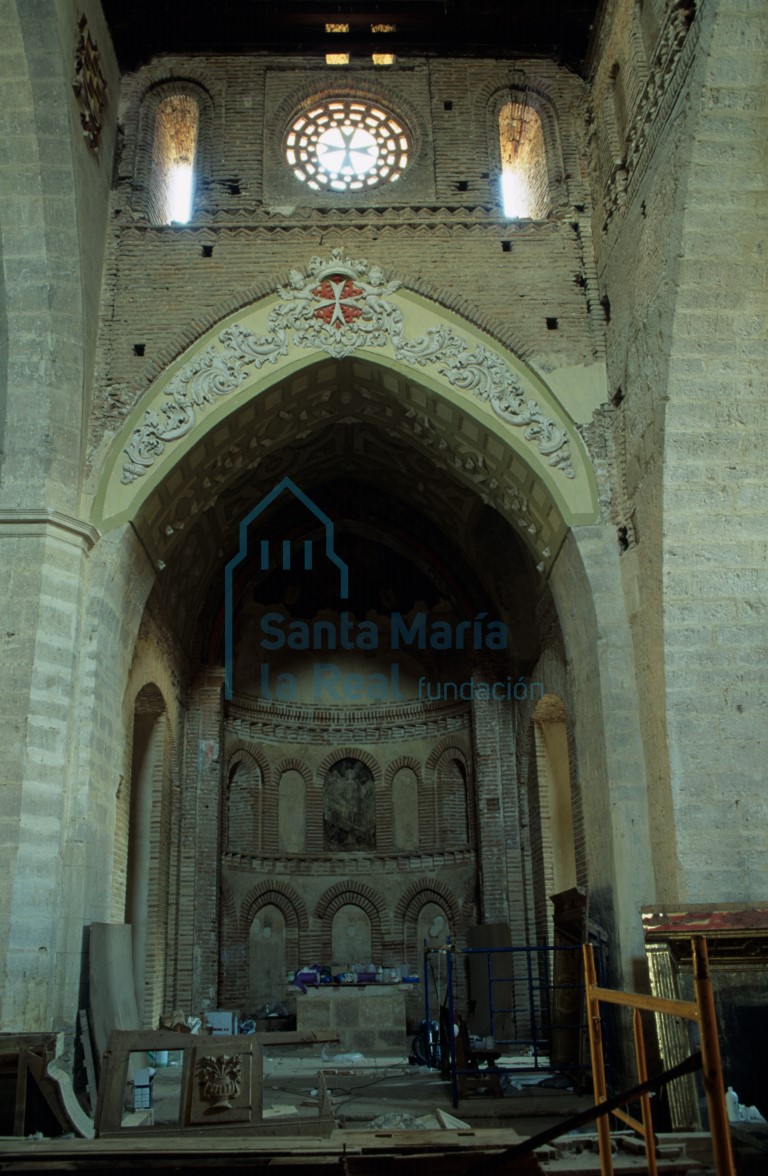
(383, 1085)
(386, 1085)
(380, 1103)
(408, 1097)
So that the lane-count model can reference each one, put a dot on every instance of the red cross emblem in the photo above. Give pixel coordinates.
(337, 306)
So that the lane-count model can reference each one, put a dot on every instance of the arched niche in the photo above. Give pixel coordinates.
(405, 809)
(452, 799)
(266, 957)
(432, 931)
(243, 807)
(554, 777)
(351, 938)
(552, 823)
(349, 806)
(291, 812)
(143, 843)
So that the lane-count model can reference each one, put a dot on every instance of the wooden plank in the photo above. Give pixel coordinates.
(39, 1042)
(432, 1140)
(450, 1122)
(90, 1066)
(140, 1040)
(297, 1037)
(324, 1105)
(38, 1070)
(437, 1163)
(635, 1124)
(650, 1004)
(596, 1052)
(336, 1143)
(20, 1110)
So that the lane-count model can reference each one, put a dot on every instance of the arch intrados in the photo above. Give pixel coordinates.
(465, 470)
(438, 553)
(550, 709)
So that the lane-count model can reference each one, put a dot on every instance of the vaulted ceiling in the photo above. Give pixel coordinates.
(385, 475)
(559, 29)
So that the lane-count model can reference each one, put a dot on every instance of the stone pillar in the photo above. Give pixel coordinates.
(610, 763)
(493, 766)
(42, 572)
(54, 194)
(198, 935)
(714, 553)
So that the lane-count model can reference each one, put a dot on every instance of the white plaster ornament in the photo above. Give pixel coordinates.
(340, 307)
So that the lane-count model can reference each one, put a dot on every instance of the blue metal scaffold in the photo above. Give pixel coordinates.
(541, 1024)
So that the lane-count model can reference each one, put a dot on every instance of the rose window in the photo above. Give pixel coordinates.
(347, 145)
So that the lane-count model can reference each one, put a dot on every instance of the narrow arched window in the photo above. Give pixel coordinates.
(174, 150)
(524, 177)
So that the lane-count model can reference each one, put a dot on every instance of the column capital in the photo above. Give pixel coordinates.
(35, 522)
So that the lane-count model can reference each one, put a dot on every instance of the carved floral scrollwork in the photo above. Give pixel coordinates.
(89, 84)
(473, 466)
(487, 376)
(339, 307)
(220, 1078)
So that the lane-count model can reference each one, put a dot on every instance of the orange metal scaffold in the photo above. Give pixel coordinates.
(702, 1011)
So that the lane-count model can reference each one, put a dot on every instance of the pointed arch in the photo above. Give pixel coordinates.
(379, 321)
(142, 846)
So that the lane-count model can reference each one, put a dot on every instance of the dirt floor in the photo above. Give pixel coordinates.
(387, 1093)
(380, 1106)
(362, 1091)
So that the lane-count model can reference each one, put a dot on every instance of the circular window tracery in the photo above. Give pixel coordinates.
(347, 145)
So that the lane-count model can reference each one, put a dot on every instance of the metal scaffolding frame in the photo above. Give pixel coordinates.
(547, 1006)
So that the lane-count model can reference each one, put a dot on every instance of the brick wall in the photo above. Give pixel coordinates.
(309, 883)
(519, 273)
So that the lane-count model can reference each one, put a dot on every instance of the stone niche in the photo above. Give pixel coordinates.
(349, 814)
(371, 1019)
(351, 941)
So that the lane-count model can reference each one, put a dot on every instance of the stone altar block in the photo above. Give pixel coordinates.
(367, 1017)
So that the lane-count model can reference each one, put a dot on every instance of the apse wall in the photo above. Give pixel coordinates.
(333, 813)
